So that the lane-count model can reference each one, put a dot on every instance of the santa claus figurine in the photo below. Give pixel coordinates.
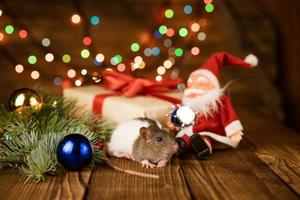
(216, 120)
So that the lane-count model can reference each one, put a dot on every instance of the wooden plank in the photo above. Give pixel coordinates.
(233, 174)
(275, 145)
(107, 183)
(72, 185)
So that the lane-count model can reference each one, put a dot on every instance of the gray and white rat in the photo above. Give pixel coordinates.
(142, 140)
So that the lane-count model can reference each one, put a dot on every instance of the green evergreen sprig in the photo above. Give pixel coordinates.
(29, 142)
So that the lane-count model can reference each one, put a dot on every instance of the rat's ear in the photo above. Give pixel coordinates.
(145, 133)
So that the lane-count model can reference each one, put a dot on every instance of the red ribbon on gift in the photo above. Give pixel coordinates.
(128, 86)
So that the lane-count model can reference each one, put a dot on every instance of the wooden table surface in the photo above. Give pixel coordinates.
(266, 165)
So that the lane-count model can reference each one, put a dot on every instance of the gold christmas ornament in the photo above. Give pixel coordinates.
(25, 101)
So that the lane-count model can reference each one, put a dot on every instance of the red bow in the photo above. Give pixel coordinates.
(130, 86)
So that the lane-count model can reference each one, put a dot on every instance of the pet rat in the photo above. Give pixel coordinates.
(142, 140)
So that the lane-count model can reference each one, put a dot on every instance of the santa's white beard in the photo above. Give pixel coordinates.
(206, 104)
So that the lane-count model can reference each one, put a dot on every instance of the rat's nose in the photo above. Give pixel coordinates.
(175, 148)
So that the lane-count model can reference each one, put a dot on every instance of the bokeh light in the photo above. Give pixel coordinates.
(49, 57)
(87, 41)
(135, 47)
(188, 9)
(23, 33)
(183, 32)
(208, 1)
(155, 51)
(100, 57)
(201, 36)
(1, 12)
(195, 27)
(9, 29)
(162, 29)
(32, 59)
(195, 51)
(209, 8)
(85, 53)
(46, 42)
(84, 72)
(167, 64)
(170, 32)
(167, 43)
(178, 52)
(148, 52)
(121, 67)
(161, 70)
(19, 68)
(169, 13)
(35, 75)
(95, 20)
(71, 73)
(138, 59)
(78, 82)
(158, 78)
(66, 58)
(1, 37)
(57, 81)
(75, 18)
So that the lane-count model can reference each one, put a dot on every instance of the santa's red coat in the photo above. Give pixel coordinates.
(219, 127)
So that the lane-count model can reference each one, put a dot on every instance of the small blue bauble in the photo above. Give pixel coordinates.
(74, 152)
(174, 118)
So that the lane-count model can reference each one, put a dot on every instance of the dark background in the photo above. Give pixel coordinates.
(268, 28)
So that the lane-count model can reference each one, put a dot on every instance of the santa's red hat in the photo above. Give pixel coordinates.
(212, 66)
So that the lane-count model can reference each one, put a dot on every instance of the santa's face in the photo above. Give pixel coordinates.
(198, 85)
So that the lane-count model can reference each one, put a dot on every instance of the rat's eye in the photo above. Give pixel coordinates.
(159, 139)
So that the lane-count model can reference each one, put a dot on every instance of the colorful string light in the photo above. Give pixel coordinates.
(158, 78)
(19, 68)
(85, 53)
(209, 8)
(35, 75)
(121, 67)
(155, 51)
(195, 27)
(178, 52)
(84, 72)
(135, 47)
(95, 20)
(183, 32)
(32, 59)
(170, 32)
(9, 29)
(57, 81)
(71, 73)
(169, 13)
(1, 37)
(23, 34)
(195, 51)
(66, 58)
(188, 9)
(49, 57)
(148, 52)
(99, 57)
(87, 41)
(201, 36)
(75, 19)
(162, 29)
(46, 42)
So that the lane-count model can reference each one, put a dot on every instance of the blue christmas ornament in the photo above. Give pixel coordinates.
(182, 116)
(74, 152)
(174, 119)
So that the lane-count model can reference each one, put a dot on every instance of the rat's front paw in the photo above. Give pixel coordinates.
(147, 164)
(161, 163)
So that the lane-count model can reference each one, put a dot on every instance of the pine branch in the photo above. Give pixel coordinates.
(30, 143)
